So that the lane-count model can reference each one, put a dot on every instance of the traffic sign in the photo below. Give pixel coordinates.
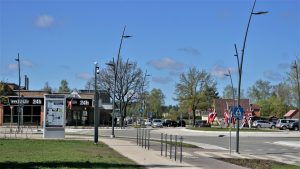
(237, 112)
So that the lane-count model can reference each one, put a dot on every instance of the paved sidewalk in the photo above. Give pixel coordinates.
(151, 159)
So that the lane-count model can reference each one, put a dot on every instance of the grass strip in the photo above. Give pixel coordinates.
(25, 153)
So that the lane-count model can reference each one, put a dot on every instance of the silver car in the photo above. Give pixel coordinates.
(157, 123)
(263, 124)
(284, 123)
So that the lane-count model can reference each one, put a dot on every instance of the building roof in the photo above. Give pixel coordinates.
(290, 113)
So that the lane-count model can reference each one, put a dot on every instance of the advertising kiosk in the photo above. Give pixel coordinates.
(54, 116)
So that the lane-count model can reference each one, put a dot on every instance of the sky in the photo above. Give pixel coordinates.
(61, 39)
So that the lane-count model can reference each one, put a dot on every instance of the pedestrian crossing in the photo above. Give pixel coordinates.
(284, 158)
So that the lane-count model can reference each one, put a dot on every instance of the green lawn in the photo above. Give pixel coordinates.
(59, 154)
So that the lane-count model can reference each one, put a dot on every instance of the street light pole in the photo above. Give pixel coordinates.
(143, 98)
(295, 66)
(115, 68)
(233, 98)
(19, 93)
(96, 101)
(240, 67)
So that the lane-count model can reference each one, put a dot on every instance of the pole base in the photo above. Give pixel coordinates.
(112, 136)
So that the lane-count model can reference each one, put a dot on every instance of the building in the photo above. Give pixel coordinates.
(221, 105)
(292, 114)
(79, 107)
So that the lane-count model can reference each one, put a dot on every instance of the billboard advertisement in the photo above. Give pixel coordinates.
(54, 115)
(55, 110)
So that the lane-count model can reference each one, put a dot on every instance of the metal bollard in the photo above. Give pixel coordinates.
(142, 138)
(171, 146)
(181, 139)
(166, 142)
(137, 136)
(140, 133)
(175, 147)
(145, 138)
(148, 139)
(161, 143)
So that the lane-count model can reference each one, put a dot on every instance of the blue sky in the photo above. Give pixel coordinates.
(62, 39)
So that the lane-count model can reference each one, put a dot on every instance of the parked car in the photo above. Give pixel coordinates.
(148, 122)
(202, 123)
(181, 123)
(169, 123)
(283, 124)
(263, 124)
(156, 123)
(294, 126)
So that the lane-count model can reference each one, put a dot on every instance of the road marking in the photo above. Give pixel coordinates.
(202, 154)
(294, 158)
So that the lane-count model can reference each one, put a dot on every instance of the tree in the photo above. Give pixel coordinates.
(261, 90)
(47, 87)
(227, 92)
(64, 88)
(283, 92)
(292, 81)
(156, 101)
(5, 90)
(195, 90)
(129, 84)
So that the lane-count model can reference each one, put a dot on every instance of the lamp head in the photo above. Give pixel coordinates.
(127, 36)
(260, 13)
(97, 70)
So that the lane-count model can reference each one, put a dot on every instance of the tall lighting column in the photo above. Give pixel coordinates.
(96, 108)
(233, 98)
(115, 68)
(240, 67)
(143, 98)
(19, 93)
(295, 66)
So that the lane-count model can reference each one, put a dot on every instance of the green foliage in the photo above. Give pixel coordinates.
(273, 106)
(261, 90)
(47, 87)
(64, 88)
(5, 90)
(59, 154)
(155, 102)
(196, 90)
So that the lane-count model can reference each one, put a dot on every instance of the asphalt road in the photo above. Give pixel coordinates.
(272, 146)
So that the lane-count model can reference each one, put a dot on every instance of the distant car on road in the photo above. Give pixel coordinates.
(283, 124)
(202, 123)
(294, 126)
(169, 123)
(263, 124)
(148, 122)
(156, 123)
(181, 123)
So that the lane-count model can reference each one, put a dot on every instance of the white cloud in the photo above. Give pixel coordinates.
(166, 63)
(13, 67)
(273, 76)
(192, 51)
(162, 80)
(27, 63)
(219, 71)
(83, 76)
(44, 21)
(24, 63)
